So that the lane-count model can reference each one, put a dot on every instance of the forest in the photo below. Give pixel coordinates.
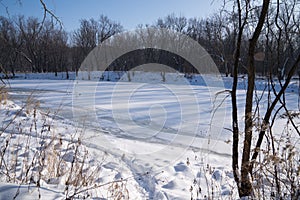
(28, 44)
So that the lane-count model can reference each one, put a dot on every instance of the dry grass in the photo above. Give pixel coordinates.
(3, 95)
(33, 152)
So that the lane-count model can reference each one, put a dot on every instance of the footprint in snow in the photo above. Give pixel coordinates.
(169, 185)
(111, 165)
(180, 167)
(217, 175)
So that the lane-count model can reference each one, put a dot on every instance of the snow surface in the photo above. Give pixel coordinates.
(163, 138)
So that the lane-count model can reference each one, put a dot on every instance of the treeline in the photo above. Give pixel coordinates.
(28, 45)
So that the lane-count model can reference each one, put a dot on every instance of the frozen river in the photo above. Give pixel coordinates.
(169, 131)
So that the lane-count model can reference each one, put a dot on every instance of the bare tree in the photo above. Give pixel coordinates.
(29, 30)
(178, 24)
(254, 27)
(246, 185)
(235, 124)
(10, 42)
(53, 49)
(107, 28)
(91, 33)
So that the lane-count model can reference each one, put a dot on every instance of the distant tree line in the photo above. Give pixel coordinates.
(28, 46)
(139, 57)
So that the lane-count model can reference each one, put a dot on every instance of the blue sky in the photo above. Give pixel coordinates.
(129, 13)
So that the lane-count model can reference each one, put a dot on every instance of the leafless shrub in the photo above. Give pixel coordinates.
(3, 94)
(32, 153)
(276, 174)
(211, 182)
(118, 191)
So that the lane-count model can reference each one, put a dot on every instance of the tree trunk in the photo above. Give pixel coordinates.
(235, 128)
(271, 108)
(246, 185)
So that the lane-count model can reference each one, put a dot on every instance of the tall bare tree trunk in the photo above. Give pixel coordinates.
(235, 127)
(246, 185)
